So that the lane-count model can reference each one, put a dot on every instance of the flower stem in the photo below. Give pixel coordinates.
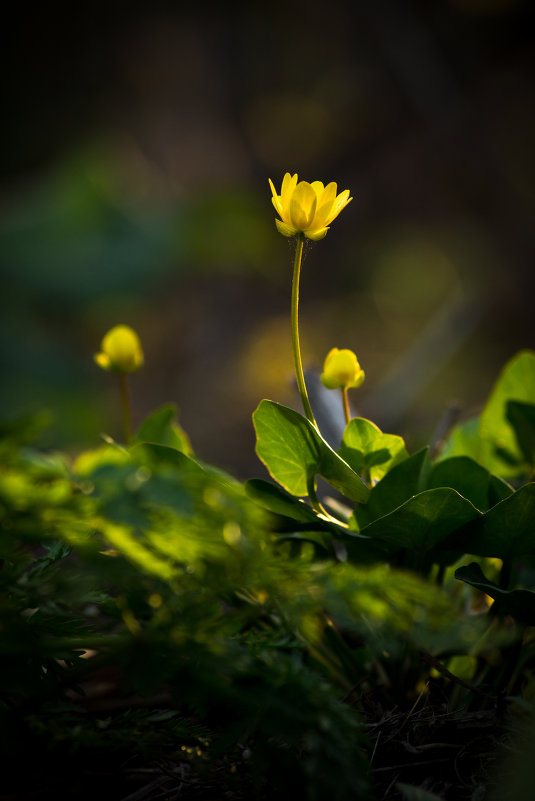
(295, 330)
(345, 401)
(126, 407)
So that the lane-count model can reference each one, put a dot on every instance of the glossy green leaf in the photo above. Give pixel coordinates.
(516, 382)
(470, 480)
(297, 521)
(161, 428)
(518, 603)
(367, 450)
(400, 484)
(506, 530)
(279, 501)
(295, 453)
(424, 521)
(465, 440)
(490, 439)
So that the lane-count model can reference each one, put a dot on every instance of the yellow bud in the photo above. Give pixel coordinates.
(341, 369)
(121, 351)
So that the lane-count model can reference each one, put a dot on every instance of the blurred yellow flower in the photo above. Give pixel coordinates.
(121, 350)
(341, 370)
(307, 208)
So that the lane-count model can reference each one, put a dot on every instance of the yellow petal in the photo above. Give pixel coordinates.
(102, 360)
(303, 206)
(318, 188)
(359, 378)
(316, 233)
(341, 369)
(277, 203)
(285, 230)
(328, 382)
(340, 203)
(325, 206)
(289, 182)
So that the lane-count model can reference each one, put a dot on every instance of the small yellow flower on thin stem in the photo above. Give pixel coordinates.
(306, 210)
(341, 370)
(121, 353)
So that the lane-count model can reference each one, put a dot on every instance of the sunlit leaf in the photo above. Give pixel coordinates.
(294, 453)
(490, 438)
(366, 449)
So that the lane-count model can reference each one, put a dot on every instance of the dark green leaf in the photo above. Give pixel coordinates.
(506, 530)
(400, 484)
(518, 603)
(424, 521)
(470, 480)
(277, 500)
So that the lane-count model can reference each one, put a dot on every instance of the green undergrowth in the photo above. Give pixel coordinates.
(152, 607)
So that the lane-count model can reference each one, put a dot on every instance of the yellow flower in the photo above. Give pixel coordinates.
(341, 369)
(121, 351)
(307, 208)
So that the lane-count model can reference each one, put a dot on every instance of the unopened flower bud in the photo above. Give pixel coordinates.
(341, 370)
(121, 351)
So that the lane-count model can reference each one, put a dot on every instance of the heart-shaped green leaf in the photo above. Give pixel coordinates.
(424, 521)
(294, 452)
(490, 439)
(400, 484)
(470, 480)
(366, 449)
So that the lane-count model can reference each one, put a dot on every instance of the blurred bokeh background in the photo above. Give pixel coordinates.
(137, 143)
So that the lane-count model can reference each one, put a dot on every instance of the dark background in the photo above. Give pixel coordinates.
(138, 140)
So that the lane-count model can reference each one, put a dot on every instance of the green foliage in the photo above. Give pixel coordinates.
(295, 453)
(497, 437)
(160, 427)
(235, 620)
(519, 603)
(367, 450)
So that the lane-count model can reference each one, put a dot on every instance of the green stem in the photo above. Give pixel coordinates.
(295, 331)
(126, 407)
(345, 401)
(318, 506)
